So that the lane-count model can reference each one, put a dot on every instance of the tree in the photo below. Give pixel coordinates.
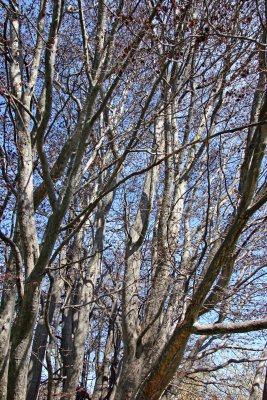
(133, 190)
(256, 390)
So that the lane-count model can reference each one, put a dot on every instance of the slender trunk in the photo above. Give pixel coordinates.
(7, 310)
(258, 382)
(75, 353)
(39, 344)
(71, 312)
(264, 394)
(38, 352)
(6, 318)
(103, 384)
(84, 300)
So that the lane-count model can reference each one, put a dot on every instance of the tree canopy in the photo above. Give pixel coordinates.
(133, 210)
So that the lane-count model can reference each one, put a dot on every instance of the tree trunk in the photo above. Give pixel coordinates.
(38, 352)
(39, 343)
(77, 322)
(258, 382)
(264, 394)
(130, 379)
(6, 318)
(104, 384)
(21, 340)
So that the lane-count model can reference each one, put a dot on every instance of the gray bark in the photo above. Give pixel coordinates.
(257, 389)
(156, 322)
(76, 319)
(6, 319)
(39, 343)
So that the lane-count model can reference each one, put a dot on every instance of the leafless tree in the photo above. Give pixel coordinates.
(134, 186)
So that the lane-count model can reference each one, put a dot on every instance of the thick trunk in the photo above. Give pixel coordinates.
(130, 379)
(21, 333)
(21, 339)
(161, 373)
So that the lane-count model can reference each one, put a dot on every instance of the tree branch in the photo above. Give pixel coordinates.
(231, 327)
